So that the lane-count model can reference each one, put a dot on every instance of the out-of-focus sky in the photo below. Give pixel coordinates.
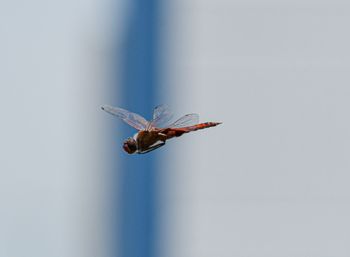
(55, 68)
(272, 180)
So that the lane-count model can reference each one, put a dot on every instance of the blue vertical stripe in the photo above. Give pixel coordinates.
(137, 173)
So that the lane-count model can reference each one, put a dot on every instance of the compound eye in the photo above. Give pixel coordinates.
(129, 146)
(126, 147)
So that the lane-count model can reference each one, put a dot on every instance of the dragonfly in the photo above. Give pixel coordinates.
(154, 133)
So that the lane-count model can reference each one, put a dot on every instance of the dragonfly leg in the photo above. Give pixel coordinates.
(162, 137)
(152, 148)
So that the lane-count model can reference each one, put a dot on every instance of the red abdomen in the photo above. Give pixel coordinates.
(176, 132)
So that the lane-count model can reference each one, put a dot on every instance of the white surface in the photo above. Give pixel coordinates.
(273, 180)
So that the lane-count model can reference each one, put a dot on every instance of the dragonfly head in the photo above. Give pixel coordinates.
(129, 145)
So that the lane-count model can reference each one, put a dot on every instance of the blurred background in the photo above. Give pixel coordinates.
(272, 180)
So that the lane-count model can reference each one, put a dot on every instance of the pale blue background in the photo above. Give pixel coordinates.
(271, 181)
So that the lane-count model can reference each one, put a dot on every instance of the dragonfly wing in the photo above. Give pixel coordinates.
(161, 117)
(185, 121)
(134, 120)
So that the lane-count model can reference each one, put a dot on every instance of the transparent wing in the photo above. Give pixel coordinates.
(133, 119)
(185, 121)
(161, 117)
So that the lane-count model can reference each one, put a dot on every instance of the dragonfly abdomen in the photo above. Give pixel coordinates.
(176, 132)
(202, 126)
